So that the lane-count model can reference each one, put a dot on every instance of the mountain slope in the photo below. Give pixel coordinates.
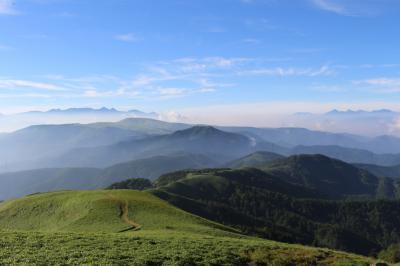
(82, 228)
(96, 211)
(331, 177)
(16, 184)
(291, 137)
(384, 171)
(33, 146)
(256, 160)
(152, 167)
(258, 203)
(216, 144)
(145, 126)
(349, 155)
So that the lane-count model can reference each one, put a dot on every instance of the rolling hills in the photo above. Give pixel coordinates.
(136, 228)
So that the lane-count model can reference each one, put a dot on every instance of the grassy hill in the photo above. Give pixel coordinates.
(96, 211)
(123, 227)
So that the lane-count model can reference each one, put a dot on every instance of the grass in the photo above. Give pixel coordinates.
(81, 228)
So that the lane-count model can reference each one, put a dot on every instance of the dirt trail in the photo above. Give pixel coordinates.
(124, 214)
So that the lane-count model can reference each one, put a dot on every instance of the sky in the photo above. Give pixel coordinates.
(200, 58)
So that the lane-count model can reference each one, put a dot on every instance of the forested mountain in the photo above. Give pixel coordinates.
(331, 177)
(266, 205)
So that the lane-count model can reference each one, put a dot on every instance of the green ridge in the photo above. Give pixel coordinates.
(89, 227)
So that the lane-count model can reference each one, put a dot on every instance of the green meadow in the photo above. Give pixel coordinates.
(126, 227)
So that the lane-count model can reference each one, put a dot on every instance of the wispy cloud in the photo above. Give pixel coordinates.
(162, 80)
(331, 6)
(7, 7)
(324, 70)
(128, 37)
(352, 7)
(251, 40)
(381, 85)
(14, 83)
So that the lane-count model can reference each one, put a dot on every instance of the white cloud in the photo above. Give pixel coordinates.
(251, 41)
(172, 116)
(14, 83)
(172, 91)
(331, 6)
(280, 114)
(328, 88)
(182, 77)
(128, 37)
(289, 71)
(7, 7)
(354, 8)
(381, 85)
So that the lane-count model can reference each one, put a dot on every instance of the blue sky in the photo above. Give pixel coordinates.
(200, 56)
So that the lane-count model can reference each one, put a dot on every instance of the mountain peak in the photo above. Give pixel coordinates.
(200, 130)
(355, 112)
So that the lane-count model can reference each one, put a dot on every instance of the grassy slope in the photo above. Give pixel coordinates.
(78, 227)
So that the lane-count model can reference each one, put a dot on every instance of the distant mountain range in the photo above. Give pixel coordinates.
(103, 111)
(18, 121)
(104, 144)
(360, 122)
(362, 112)
(216, 144)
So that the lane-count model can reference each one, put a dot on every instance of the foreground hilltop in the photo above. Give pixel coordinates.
(131, 227)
